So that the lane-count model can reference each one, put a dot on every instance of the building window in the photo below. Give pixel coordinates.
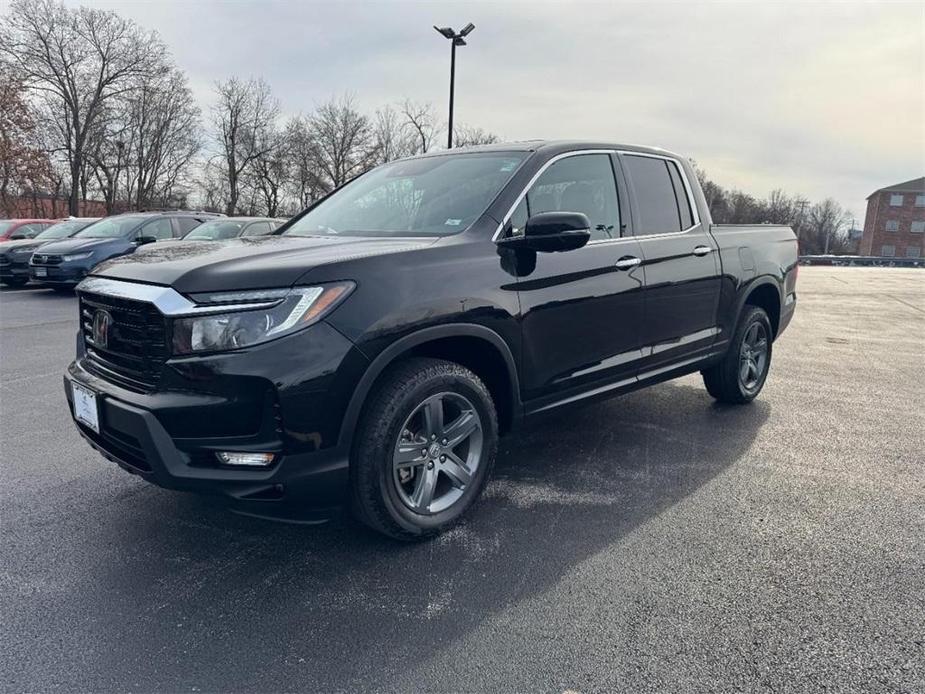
(913, 251)
(892, 225)
(888, 251)
(896, 201)
(917, 228)
(920, 200)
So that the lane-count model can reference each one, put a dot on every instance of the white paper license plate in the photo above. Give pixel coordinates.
(85, 409)
(41, 272)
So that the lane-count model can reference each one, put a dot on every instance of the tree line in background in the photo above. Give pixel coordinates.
(92, 107)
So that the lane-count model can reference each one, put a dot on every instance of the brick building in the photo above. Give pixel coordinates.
(44, 206)
(894, 225)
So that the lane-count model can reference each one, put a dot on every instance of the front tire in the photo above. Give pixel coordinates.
(740, 376)
(15, 282)
(424, 448)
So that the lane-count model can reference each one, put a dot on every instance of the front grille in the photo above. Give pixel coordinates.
(136, 348)
(126, 449)
(4, 260)
(42, 259)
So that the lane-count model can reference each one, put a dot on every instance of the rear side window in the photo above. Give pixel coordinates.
(661, 198)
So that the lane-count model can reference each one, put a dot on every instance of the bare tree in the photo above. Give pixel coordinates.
(391, 137)
(244, 113)
(342, 141)
(78, 60)
(270, 172)
(422, 122)
(826, 232)
(469, 136)
(304, 182)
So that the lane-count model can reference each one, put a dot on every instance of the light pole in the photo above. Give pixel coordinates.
(456, 39)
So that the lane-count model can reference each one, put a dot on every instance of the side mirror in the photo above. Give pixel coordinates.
(142, 240)
(18, 237)
(549, 232)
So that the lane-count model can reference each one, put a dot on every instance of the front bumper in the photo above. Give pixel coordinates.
(169, 438)
(57, 274)
(14, 270)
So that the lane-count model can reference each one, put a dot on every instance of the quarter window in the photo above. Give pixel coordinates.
(660, 195)
(888, 251)
(896, 201)
(582, 183)
(917, 227)
(892, 225)
(257, 229)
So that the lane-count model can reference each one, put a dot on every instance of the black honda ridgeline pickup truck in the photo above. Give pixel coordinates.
(376, 346)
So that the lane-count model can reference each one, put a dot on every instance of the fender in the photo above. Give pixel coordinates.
(419, 337)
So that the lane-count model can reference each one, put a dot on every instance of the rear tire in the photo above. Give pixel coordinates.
(741, 374)
(405, 481)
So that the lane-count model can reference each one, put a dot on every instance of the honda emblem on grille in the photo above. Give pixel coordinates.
(101, 323)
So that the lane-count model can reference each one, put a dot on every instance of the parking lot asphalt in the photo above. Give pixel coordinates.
(656, 542)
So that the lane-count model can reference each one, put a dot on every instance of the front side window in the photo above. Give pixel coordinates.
(896, 201)
(917, 227)
(664, 206)
(186, 224)
(582, 183)
(216, 230)
(888, 251)
(428, 196)
(159, 229)
(892, 225)
(258, 229)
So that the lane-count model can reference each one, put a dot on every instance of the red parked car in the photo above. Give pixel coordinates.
(23, 228)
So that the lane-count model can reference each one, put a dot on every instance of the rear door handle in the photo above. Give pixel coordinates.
(627, 262)
(702, 250)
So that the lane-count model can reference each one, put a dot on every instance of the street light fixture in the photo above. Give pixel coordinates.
(456, 39)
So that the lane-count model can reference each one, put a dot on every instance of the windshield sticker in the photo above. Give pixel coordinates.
(452, 222)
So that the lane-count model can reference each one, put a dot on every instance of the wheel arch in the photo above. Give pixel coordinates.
(765, 293)
(476, 347)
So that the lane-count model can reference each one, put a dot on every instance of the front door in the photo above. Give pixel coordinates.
(582, 309)
(681, 263)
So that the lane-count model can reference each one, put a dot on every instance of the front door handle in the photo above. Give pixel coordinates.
(627, 262)
(702, 250)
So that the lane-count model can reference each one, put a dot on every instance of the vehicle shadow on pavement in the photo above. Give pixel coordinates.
(191, 594)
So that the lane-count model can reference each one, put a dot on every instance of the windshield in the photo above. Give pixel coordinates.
(109, 228)
(216, 230)
(64, 229)
(429, 196)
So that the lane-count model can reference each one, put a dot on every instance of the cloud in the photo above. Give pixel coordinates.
(824, 99)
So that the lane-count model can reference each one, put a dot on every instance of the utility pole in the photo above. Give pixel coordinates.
(456, 39)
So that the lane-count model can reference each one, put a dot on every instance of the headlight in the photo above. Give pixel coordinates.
(274, 313)
(77, 256)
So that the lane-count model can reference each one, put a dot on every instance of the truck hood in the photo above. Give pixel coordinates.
(245, 263)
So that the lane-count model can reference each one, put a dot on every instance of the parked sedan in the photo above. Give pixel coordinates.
(233, 227)
(15, 255)
(23, 228)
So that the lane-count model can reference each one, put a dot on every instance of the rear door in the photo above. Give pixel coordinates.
(680, 258)
(581, 313)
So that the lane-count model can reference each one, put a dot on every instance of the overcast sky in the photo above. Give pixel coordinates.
(823, 99)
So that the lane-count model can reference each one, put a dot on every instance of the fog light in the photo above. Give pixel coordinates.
(252, 459)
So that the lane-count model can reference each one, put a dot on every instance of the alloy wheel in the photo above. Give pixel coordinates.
(753, 356)
(438, 452)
